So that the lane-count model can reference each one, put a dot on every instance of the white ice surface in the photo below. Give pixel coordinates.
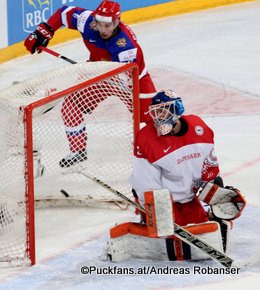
(212, 59)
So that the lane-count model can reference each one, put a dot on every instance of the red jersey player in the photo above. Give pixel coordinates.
(108, 39)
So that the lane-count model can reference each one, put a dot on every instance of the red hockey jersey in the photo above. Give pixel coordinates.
(121, 47)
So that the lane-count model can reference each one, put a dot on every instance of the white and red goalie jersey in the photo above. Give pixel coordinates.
(178, 163)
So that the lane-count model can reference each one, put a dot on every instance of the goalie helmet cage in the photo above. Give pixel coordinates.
(33, 140)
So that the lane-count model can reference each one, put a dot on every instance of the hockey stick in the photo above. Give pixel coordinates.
(180, 232)
(54, 53)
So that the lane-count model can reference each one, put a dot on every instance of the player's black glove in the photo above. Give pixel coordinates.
(40, 37)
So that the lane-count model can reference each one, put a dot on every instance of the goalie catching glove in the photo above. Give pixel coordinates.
(226, 203)
(40, 37)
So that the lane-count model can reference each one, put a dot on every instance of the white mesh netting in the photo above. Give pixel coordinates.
(88, 130)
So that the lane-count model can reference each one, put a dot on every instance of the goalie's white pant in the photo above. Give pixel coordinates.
(130, 240)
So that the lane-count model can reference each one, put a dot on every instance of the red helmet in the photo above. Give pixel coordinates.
(107, 11)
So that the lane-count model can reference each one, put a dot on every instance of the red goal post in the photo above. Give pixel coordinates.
(35, 141)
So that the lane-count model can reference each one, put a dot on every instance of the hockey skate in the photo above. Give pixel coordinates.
(73, 159)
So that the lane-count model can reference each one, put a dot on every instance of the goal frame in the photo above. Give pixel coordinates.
(29, 164)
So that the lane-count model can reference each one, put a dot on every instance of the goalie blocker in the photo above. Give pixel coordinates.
(155, 239)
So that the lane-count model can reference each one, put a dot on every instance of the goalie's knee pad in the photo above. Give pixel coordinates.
(132, 240)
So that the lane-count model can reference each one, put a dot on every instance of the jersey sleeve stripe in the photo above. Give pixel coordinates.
(64, 19)
(142, 73)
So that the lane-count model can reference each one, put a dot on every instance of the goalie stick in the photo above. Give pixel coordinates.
(180, 232)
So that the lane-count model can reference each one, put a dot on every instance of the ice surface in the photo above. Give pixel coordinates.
(212, 59)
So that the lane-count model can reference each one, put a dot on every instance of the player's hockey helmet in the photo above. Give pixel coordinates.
(165, 109)
(107, 11)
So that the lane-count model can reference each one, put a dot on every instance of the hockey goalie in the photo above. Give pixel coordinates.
(175, 176)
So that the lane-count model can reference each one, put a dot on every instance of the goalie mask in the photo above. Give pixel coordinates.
(165, 110)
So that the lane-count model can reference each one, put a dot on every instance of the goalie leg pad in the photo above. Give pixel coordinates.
(134, 246)
(117, 249)
(208, 232)
(159, 213)
(132, 240)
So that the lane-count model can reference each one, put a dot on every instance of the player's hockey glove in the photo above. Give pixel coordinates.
(226, 203)
(40, 37)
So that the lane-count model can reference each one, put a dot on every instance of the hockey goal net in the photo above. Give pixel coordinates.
(33, 140)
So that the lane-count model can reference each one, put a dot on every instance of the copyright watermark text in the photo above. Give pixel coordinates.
(152, 270)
